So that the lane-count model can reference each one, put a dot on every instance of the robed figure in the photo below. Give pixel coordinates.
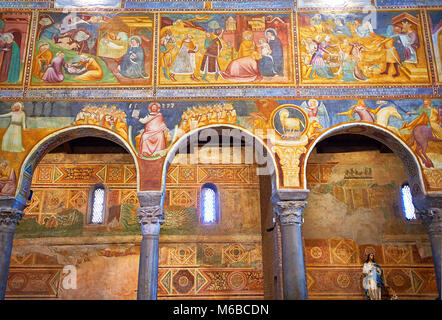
(132, 65)
(153, 138)
(373, 278)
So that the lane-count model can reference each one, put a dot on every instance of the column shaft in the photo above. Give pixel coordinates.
(8, 222)
(151, 217)
(293, 267)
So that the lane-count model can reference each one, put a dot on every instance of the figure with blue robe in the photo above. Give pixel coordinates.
(373, 278)
(342, 28)
(276, 54)
(132, 65)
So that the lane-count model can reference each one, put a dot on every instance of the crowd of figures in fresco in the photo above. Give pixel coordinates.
(82, 48)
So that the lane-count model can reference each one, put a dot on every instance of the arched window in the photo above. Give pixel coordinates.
(407, 202)
(209, 204)
(97, 207)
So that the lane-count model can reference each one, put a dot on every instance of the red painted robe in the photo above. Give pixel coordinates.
(153, 138)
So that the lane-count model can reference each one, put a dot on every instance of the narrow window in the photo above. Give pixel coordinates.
(407, 202)
(97, 205)
(209, 204)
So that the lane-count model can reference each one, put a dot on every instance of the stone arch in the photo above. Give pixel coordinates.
(379, 133)
(185, 138)
(56, 138)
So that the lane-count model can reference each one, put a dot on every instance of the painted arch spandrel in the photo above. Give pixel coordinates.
(93, 49)
(151, 128)
(356, 48)
(208, 48)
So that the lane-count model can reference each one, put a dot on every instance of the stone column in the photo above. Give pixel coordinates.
(288, 206)
(432, 219)
(150, 214)
(8, 221)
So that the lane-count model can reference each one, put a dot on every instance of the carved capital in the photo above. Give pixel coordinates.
(432, 219)
(151, 219)
(290, 212)
(10, 216)
(289, 158)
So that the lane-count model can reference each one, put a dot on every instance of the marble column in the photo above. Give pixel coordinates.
(432, 219)
(8, 221)
(150, 214)
(288, 206)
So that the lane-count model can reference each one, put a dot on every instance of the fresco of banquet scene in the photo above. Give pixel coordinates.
(435, 18)
(14, 30)
(152, 127)
(198, 49)
(93, 49)
(361, 48)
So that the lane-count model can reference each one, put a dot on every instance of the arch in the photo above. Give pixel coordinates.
(56, 138)
(379, 133)
(183, 140)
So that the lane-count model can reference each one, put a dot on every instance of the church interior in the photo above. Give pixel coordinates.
(220, 150)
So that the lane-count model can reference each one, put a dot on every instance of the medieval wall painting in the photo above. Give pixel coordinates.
(93, 49)
(435, 19)
(14, 36)
(89, 3)
(386, 47)
(225, 48)
(151, 128)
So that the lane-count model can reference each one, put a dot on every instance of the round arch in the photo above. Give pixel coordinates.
(184, 140)
(55, 139)
(379, 133)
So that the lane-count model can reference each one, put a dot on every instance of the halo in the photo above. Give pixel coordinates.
(137, 38)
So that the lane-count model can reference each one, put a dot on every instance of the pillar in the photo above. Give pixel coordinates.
(432, 219)
(288, 206)
(9, 217)
(150, 214)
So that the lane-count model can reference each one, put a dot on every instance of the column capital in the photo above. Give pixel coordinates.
(10, 216)
(150, 212)
(290, 212)
(432, 219)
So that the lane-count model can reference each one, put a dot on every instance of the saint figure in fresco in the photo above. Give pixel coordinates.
(167, 42)
(213, 47)
(184, 62)
(54, 72)
(153, 138)
(245, 67)
(42, 60)
(12, 139)
(132, 65)
(10, 65)
(410, 40)
(8, 179)
(277, 53)
(373, 278)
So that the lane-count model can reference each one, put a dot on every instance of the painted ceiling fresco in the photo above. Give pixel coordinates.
(286, 72)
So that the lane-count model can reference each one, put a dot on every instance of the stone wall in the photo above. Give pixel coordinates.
(355, 208)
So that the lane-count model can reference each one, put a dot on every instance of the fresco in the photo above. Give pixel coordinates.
(286, 126)
(435, 19)
(382, 47)
(208, 48)
(90, 4)
(14, 36)
(93, 49)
